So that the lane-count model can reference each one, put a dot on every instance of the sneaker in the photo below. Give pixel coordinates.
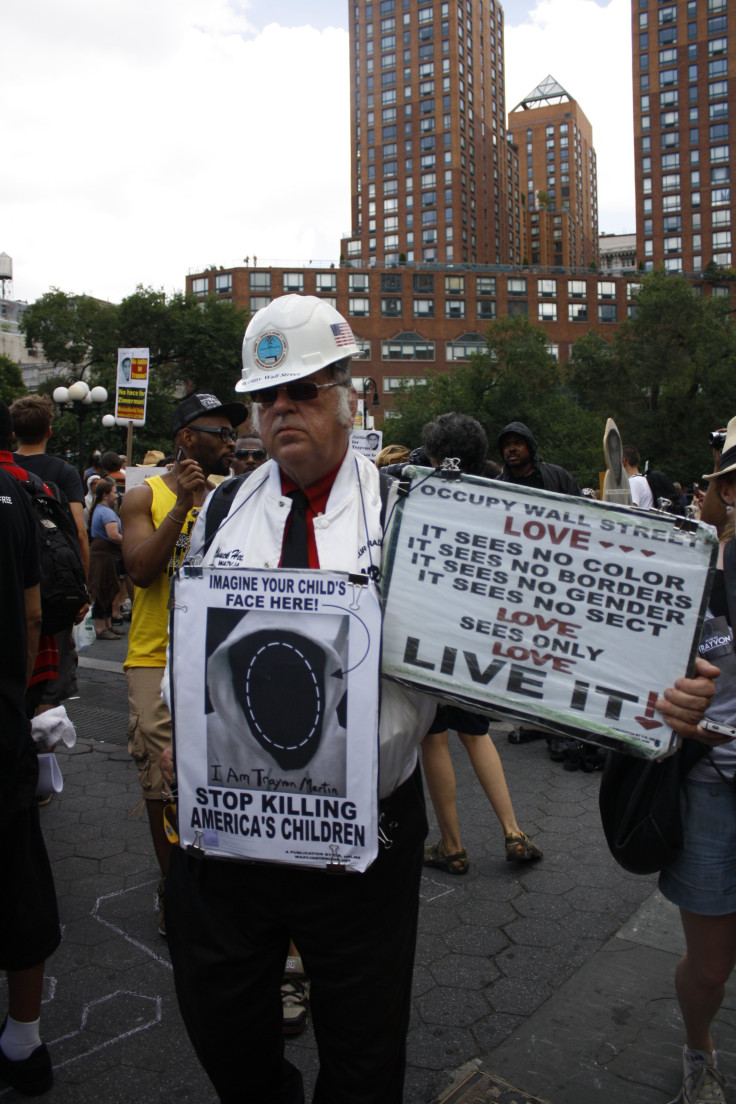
(294, 998)
(702, 1081)
(108, 634)
(32, 1076)
(160, 906)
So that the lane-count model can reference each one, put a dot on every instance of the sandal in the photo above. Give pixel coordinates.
(435, 855)
(521, 849)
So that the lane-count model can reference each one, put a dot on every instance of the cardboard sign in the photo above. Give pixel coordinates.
(274, 686)
(131, 389)
(569, 612)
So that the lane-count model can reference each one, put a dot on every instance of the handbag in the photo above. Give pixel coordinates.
(639, 803)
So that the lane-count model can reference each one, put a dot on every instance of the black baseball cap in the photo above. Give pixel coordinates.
(194, 406)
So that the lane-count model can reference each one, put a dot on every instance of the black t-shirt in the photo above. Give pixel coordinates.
(57, 470)
(19, 569)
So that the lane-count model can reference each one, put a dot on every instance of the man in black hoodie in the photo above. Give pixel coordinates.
(521, 465)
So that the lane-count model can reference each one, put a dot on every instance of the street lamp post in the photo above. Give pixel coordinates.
(79, 399)
(369, 382)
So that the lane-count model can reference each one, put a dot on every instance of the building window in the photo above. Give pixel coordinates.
(516, 285)
(390, 281)
(720, 175)
(606, 289)
(517, 307)
(547, 312)
(391, 307)
(670, 182)
(423, 281)
(465, 346)
(224, 283)
(293, 281)
(577, 312)
(358, 281)
(607, 312)
(717, 68)
(326, 281)
(359, 307)
(260, 281)
(547, 288)
(454, 285)
(201, 286)
(454, 308)
(485, 309)
(485, 285)
(407, 346)
(258, 302)
(424, 308)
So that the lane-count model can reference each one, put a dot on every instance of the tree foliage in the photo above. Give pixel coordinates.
(11, 380)
(667, 377)
(194, 345)
(516, 380)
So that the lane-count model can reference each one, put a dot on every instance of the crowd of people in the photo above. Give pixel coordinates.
(255, 945)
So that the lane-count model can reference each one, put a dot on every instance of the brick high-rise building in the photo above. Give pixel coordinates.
(433, 177)
(684, 106)
(559, 177)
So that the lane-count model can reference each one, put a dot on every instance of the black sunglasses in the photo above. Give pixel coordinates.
(222, 432)
(300, 391)
(250, 454)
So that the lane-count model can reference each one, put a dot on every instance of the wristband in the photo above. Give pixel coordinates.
(178, 521)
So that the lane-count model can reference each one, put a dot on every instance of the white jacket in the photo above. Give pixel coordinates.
(349, 538)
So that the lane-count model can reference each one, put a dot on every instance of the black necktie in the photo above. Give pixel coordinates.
(294, 552)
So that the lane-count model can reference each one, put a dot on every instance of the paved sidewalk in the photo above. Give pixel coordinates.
(550, 982)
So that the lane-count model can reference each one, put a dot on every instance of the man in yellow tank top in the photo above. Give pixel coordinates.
(157, 519)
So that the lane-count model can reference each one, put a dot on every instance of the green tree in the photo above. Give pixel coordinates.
(11, 380)
(194, 345)
(74, 331)
(667, 377)
(516, 380)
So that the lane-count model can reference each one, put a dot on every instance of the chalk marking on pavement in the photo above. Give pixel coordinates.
(109, 1042)
(119, 931)
(430, 896)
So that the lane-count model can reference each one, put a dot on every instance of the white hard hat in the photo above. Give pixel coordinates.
(293, 337)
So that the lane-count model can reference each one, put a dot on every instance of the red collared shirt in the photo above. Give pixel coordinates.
(317, 494)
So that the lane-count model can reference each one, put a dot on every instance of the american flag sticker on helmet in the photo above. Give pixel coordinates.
(342, 333)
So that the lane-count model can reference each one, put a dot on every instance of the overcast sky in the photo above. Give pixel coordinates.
(144, 139)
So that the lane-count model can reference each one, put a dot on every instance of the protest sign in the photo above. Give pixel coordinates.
(131, 388)
(367, 441)
(569, 612)
(274, 689)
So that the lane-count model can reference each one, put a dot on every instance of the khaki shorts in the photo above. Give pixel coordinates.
(149, 727)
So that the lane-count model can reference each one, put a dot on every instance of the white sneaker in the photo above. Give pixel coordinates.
(702, 1081)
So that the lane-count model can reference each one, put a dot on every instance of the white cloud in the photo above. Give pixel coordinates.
(151, 138)
(587, 49)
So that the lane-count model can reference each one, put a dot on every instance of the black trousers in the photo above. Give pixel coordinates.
(229, 926)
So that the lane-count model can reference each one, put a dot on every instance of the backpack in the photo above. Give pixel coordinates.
(661, 487)
(63, 581)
